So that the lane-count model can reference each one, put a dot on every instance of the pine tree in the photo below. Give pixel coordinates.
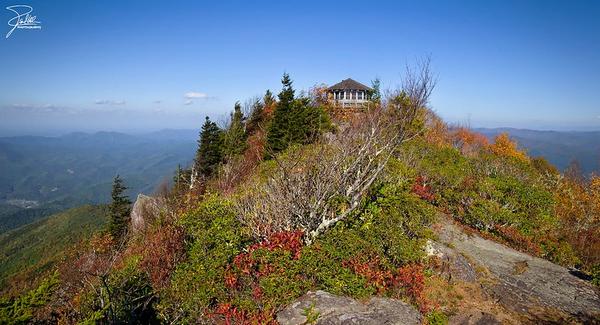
(278, 133)
(295, 121)
(119, 209)
(268, 99)
(257, 117)
(286, 96)
(376, 92)
(210, 150)
(177, 176)
(307, 121)
(234, 140)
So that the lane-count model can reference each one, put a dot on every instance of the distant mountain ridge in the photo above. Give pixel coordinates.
(559, 147)
(77, 168)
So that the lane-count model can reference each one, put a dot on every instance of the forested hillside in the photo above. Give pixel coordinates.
(34, 249)
(293, 198)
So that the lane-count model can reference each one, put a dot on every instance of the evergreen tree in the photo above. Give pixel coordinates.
(268, 99)
(295, 121)
(234, 142)
(307, 121)
(286, 96)
(278, 133)
(177, 176)
(376, 92)
(210, 152)
(257, 117)
(119, 209)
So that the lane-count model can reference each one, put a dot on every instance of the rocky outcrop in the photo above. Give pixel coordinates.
(535, 288)
(325, 309)
(145, 210)
(455, 267)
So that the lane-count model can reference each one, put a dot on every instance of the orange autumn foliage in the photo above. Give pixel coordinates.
(436, 131)
(467, 141)
(505, 147)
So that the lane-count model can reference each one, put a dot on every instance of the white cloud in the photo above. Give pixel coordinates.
(195, 95)
(37, 108)
(109, 102)
(157, 101)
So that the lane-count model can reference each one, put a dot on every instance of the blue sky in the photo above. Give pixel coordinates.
(128, 65)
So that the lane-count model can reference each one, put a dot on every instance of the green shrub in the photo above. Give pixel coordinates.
(596, 275)
(215, 238)
(123, 296)
(20, 310)
(396, 223)
(437, 318)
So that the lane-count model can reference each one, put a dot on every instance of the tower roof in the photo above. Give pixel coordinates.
(349, 84)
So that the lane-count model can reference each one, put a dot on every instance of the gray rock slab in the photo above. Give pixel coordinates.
(524, 283)
(334, 309)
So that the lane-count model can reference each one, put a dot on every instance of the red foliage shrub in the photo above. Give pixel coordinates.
(162, 250)
(372, 271)
(411, 278)
(244, 263)
(257, 293)
(245, 272)
(231, 279)
(227, 314)
(518, 240)
(290, 241)
(422, 190)
(286, 240)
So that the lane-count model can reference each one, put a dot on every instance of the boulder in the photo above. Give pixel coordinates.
(331, 309)
(145, 210)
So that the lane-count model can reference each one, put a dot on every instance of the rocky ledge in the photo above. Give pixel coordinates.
(323, 308)
(536, 289)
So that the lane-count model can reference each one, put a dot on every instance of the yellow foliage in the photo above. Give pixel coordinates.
(504, 146)
(578, 207)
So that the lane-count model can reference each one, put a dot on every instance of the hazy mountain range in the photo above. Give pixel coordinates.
(43, 175)
(560, 148)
